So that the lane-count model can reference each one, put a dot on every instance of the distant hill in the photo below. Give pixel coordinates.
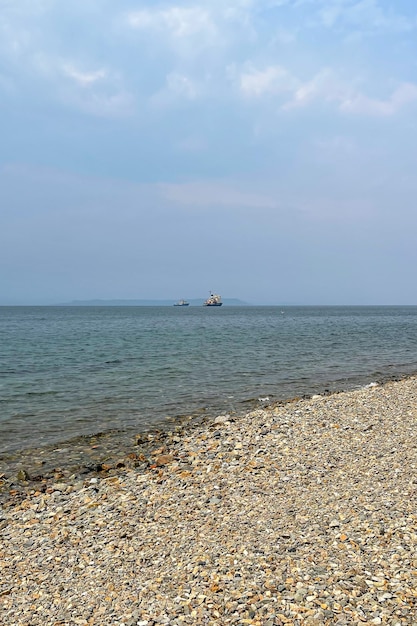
(193, 302)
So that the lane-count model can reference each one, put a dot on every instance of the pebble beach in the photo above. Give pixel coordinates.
(303, 513)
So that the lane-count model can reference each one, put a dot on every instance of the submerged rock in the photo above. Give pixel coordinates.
(22, 474)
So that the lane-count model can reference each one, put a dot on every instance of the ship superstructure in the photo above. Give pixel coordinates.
(213, 300)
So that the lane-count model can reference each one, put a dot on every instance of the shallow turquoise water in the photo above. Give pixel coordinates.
(69, 371)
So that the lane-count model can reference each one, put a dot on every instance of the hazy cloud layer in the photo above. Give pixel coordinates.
(278, 133)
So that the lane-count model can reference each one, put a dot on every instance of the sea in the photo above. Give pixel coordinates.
(70, 373)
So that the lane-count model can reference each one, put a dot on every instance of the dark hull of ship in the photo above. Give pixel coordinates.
(214, 304)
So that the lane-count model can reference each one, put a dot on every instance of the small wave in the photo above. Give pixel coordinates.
(41, 393)
(19, 372)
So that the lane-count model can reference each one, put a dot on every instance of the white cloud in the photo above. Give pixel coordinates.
(178, 53)
(330, 14)
(25, 7)
(364, 15)
(360, 104)
(189, 31)
(84, 78)
(178, 87)
(37, 62)
(325, 87)
(284, 37)
(14, 42)
(278, 82)
(273, 79)
(117, 104)
(98, 92)
(179, 22)
(182, 86)
(18, 25)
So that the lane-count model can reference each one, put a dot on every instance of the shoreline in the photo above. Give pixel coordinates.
(302, 513)
(110, 450)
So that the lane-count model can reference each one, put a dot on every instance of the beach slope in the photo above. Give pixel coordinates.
(304, 513)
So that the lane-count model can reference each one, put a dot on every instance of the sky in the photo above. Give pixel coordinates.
(262, 149)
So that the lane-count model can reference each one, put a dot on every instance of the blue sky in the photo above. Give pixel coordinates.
(263, 149)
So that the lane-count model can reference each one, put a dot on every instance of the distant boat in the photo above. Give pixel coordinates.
(213, 300)
(182, 303)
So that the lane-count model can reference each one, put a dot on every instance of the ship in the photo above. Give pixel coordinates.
(182, 303)
(213, 300)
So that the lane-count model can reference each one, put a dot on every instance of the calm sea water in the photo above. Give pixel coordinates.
(70, 371)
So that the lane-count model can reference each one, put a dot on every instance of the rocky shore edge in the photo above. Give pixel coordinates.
(39, 468)
(299, 513)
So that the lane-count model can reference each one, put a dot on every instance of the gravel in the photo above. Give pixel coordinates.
(301, 514)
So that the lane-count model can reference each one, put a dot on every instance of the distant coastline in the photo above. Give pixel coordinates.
(194, 302)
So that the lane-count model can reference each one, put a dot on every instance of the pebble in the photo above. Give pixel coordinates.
(302, 513)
